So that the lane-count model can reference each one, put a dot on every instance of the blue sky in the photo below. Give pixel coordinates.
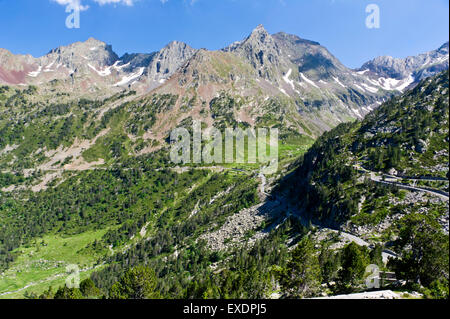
(407, 27)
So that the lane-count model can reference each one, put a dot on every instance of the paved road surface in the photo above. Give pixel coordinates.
(394, 180)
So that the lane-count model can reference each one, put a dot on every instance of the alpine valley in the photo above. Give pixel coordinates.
(86, 181)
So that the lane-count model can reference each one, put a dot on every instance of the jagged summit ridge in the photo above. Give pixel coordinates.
(417, 67)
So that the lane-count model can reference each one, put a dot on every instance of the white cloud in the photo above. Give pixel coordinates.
(126, 2)
(77, 3)
(72, 3)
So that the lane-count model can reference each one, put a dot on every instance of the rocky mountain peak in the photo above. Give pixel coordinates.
(92, 50)
(259, 28)
(168, 60)
(443, 49)
(176, 50)
(260, 38)
(95, 41)
(260, 34)
(80, 47)
(260, 49)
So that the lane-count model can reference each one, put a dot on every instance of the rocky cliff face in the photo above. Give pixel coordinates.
(309, 55)
(167, 61)
(261, 51)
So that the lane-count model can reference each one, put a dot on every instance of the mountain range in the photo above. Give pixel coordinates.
(320, 90)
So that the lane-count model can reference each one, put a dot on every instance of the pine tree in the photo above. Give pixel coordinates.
(354, 260)
(137, 283)
(302, 276)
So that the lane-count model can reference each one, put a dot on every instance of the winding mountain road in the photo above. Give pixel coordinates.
(396, 181)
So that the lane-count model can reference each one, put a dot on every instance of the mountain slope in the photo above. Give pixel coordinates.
(353, 173)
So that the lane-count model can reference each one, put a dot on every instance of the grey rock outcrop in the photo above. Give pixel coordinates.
(167, 61)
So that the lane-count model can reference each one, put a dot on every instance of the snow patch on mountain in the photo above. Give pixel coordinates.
(308, 80)
(369, 88)
(287, 80)
(359, 87)
(35, 73)
(283, 91)
(120, 67)
(407, 82)
(129, 78)
(105, 72)
(391, 84)
(48, 68)
(363, 72)
(339, 82)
